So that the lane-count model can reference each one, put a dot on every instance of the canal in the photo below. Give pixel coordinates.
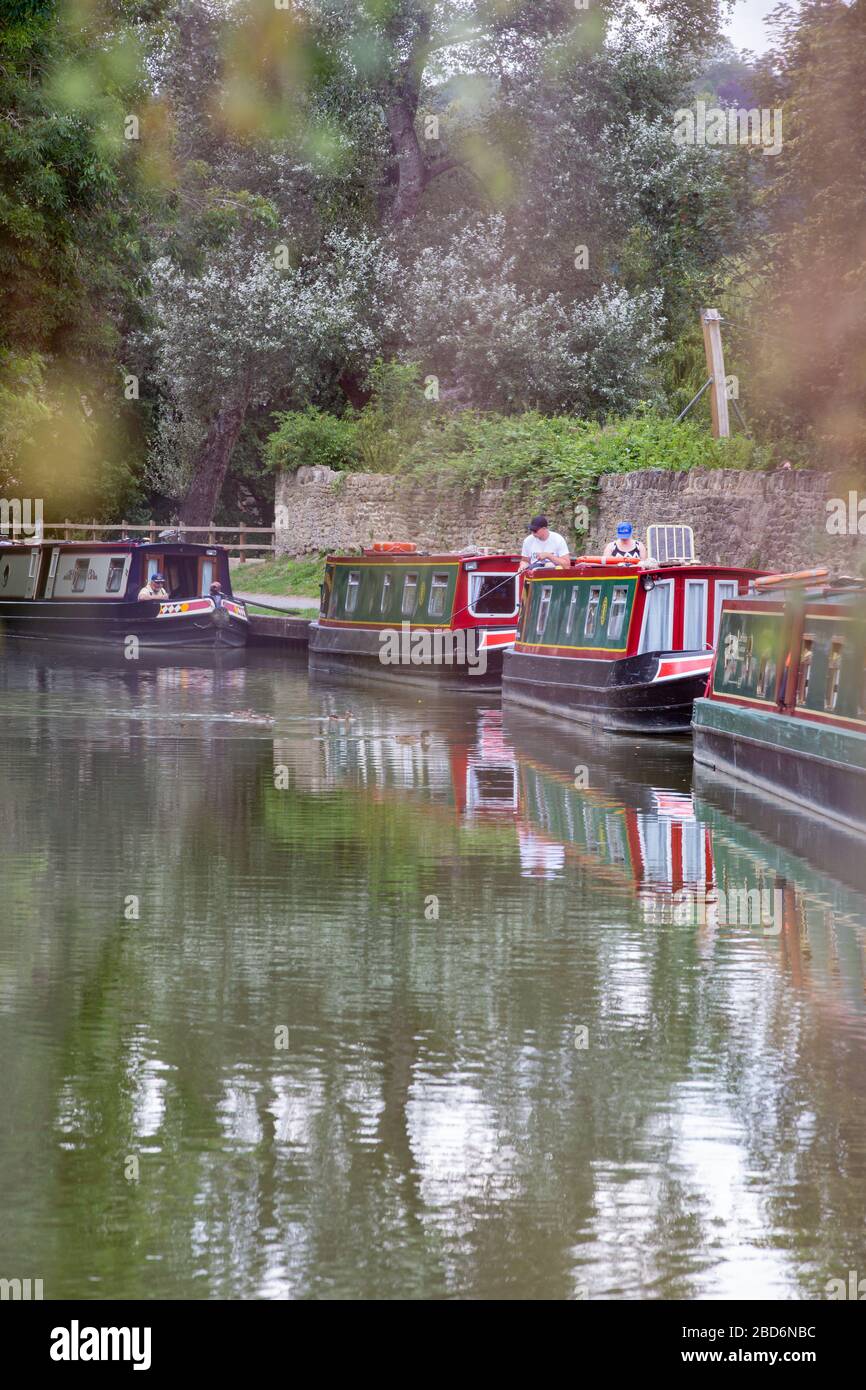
(309, 990)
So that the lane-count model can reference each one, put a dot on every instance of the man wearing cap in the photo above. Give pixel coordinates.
(543, 547)
(625, 547)
(153, 588)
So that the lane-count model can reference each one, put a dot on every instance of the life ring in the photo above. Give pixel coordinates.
(770, 581)
(393, 548)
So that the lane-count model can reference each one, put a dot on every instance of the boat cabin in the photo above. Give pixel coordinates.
(383, 588)
(104, 570)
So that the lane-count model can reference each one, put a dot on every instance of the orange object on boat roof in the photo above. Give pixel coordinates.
(770, 581)
(393, 548)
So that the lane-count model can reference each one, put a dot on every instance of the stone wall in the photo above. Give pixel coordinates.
(770, 520)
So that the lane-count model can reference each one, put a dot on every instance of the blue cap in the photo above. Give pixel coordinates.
(624, 529)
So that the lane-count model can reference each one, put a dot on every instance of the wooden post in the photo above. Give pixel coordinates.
(242, 531)
(122, 529)
(152, 533)
(94, 536)
(711, 322)
(66, 529)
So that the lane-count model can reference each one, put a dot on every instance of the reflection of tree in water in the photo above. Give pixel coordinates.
(432, 1127)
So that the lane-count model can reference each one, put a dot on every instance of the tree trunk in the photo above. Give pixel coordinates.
(412, 176)
(212, 461)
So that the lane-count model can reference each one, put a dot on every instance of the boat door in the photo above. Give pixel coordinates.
(33, 572)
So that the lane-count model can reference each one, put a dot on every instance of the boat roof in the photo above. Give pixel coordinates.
(126, 543)
(451, 557)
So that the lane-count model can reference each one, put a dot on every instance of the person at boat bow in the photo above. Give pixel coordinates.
(544, 548)
(625, 547)
(154, 588)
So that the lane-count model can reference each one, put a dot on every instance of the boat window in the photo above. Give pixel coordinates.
(115, 576)
(353, 585)
(543, 609)
(410, 594)
(492, 596)
(834, 672)
(438, 590)
(592, 611)
(618, 605)
(805, 676)
(725, 588)
(657, 620)
(385, 601)
(572, 609)
(79, 578)
(695, 631)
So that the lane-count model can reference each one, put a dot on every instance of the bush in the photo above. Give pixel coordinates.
(568, 455)
(313, 437)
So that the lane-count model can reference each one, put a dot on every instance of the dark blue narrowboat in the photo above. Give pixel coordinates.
(86, 592)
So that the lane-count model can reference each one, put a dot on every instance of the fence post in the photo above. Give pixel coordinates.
(242, 530)
(152, 532)
(122, 529)
(66, 529)
(93, 533)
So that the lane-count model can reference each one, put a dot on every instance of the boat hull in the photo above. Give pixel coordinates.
(101, 625)
(818, 767)
(363, 652)
(648, 694)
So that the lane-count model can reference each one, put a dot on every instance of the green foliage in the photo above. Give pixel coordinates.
(404, 433)
(566, 455)
(315, 438)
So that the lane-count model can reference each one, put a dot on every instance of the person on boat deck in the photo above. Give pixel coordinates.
(216, 593)
(543, 546)
(625, 547)
(154, 588)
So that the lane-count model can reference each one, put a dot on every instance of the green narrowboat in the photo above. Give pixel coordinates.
(625, 646)
(786, 706)
(394, 612)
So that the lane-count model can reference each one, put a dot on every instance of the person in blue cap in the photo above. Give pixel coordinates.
(625, 547)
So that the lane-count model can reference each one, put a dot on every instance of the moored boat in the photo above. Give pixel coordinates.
(786, 706)
(626, 646)
(394, 612)
(87, 592)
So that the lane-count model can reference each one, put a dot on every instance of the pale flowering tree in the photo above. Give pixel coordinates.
(470, 322)
(246, 326)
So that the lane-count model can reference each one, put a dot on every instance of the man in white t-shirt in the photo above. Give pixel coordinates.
(544, 546)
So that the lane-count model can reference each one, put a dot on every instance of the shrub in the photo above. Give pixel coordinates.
(312, 436)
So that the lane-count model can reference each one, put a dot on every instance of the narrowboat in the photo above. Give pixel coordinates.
(86, 592)
(394, 612)
(786, 706)
(626, 646)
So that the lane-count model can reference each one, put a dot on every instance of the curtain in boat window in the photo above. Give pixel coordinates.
(695, 635)
(657, 625)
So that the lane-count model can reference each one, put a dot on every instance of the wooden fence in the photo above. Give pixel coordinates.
(72, 530)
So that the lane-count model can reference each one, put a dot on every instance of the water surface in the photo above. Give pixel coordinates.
(313, 991)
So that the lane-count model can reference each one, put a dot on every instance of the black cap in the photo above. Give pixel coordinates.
(537, 522)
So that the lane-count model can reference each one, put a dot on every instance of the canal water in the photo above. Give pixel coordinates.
(310, 990)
